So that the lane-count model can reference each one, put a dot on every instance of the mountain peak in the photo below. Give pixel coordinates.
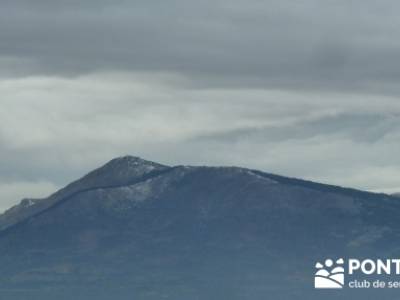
(119, 171)
(125, 167)
(129, 160)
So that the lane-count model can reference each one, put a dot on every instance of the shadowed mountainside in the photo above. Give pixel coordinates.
(135, 229)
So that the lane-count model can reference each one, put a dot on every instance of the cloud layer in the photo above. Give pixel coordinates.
(342, 44)
(305, 88)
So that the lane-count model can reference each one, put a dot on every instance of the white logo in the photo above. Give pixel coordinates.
(329, 275)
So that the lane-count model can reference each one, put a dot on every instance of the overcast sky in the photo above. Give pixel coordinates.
(306, 89)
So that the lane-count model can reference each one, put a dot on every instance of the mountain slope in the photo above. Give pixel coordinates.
(118, 172)
(136, 229)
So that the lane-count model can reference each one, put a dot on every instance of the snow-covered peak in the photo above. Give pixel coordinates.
(120, 171)
(27, 202)
(129, 159)
(127, 166)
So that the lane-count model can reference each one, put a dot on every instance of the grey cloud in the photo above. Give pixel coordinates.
(363, 128)
(48, 123)
(335, 45)
(301, 88)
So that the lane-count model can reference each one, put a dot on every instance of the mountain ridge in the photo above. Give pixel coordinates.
(137, 229)
(127, 168)
(125, 163)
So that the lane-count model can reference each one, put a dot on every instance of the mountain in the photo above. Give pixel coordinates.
(135, 229)
(118, 172)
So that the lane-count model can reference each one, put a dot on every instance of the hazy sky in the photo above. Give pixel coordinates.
(301, 88)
